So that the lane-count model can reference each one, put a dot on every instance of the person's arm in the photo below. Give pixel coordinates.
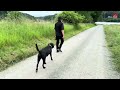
(63, 33)
(55, 31)
(55, 36)
(62, 30)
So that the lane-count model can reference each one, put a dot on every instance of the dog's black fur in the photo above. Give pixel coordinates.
(43, 53)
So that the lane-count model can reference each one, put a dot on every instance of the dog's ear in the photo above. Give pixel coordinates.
(51, 45)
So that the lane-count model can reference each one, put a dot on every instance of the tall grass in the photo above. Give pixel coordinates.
(17, 40)
(113, 39)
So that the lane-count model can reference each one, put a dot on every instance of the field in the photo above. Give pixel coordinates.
(18, 39)
(113, 42)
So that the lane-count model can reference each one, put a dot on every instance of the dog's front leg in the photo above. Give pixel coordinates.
(51, 56)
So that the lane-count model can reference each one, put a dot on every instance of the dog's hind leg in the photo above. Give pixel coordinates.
(39, 58)
(51, 56)
(43, 63)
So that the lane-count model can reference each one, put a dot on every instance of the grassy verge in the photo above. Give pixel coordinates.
(113, 41)
(17, 40)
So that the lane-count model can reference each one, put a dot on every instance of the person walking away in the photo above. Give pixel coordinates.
(59, 32)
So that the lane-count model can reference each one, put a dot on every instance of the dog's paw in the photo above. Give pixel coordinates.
(44, 67)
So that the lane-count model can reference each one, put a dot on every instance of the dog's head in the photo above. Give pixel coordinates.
(51, 45)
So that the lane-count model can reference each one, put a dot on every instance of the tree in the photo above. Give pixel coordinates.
(71, 17)
(87, 15)
(95, 15)
(14, 15)
(3, 14)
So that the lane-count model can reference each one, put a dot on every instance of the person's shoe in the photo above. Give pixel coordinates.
(60, 50)
(57, 50)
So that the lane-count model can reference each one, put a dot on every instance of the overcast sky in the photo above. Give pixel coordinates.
(41, 13)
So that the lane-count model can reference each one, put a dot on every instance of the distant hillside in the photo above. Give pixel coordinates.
(28, 16)
(49, 17)
(3, 14)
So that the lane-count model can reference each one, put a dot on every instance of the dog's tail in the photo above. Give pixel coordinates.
(37, 48)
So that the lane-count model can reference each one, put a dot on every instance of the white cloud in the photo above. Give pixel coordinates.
(41, 13)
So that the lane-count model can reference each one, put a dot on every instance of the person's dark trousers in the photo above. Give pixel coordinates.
(59, 44)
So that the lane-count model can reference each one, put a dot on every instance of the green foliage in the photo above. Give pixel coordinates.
(14, 15)
(111, 19)
(95, 15)
(27, 16)
(113, 42)
(91, 16)
(47, 18)
(3, 14)
(87, 15)
(71, 17)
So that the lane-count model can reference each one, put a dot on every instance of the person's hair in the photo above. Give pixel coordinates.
(59, 19)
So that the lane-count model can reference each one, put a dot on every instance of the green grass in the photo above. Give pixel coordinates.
(17, 40)
(113, 42)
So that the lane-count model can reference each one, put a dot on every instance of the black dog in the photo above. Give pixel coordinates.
(44, 53)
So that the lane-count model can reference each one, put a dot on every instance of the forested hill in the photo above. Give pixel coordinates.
(49, 17)
(3, 14)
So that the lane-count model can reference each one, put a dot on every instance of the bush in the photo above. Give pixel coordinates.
(71, 17)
